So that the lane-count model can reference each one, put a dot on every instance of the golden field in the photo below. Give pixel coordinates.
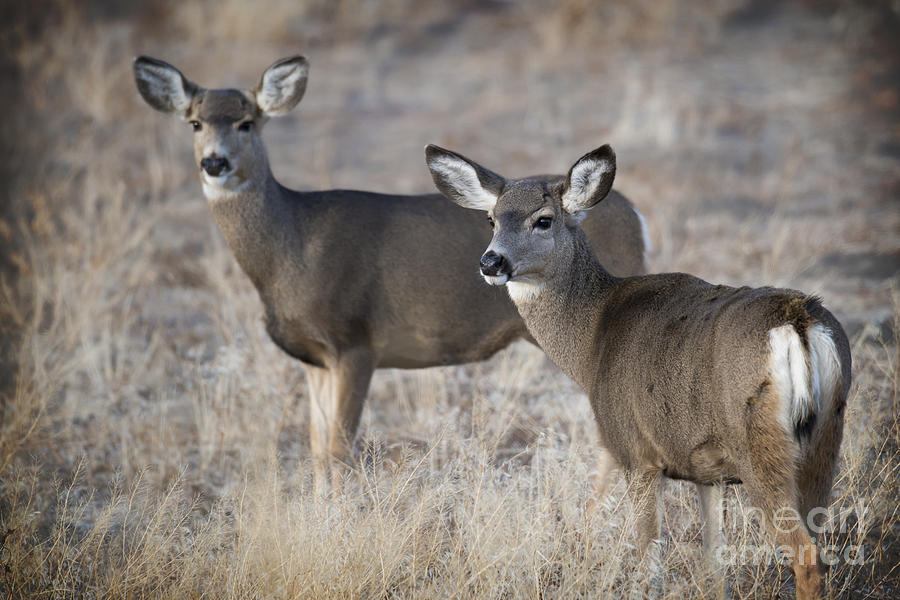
(153, 441)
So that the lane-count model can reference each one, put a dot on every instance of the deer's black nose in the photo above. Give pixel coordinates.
(215, 165)
(492, 264)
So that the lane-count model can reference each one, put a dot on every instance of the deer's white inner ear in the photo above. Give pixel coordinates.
(279, 84)
(166, 84)
(587, 176)
(462, 178)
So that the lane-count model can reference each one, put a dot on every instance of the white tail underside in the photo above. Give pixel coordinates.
(645, 233)
(826, 365)
(803, 380)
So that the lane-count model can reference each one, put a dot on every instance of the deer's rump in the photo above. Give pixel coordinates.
(663, 337)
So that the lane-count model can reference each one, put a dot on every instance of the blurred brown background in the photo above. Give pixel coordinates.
(761, 140)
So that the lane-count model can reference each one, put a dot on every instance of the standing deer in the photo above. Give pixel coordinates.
(341, 273)
(694, 381)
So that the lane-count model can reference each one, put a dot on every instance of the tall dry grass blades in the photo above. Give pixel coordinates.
(155, 443)
(127, 548)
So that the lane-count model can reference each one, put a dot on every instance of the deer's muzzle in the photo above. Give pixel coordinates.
(493, 264)
(215, 165)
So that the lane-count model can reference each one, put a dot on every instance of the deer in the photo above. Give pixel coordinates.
(340, 272)
(687, 380)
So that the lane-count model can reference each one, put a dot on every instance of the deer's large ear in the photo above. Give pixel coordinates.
(461, 180)
(163, 86)
(282, 85)
(589, 180)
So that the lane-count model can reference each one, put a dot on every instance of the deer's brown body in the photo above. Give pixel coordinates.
(362, 257)
(686, 379)
(347, 278)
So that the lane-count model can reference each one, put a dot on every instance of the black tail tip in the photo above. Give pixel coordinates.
(803, 430)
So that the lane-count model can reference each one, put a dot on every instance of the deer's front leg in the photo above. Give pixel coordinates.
(337, 395)
(319, 382)
(644, 487)
(601, 479)
(350, 380)
(351, 377)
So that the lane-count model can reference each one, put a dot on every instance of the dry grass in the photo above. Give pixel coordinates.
(153, 441)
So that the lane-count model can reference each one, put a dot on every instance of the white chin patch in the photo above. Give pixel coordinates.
(222, 186)
(496, 279)
(523, 291)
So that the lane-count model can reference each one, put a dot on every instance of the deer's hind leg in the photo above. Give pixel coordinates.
(820, 451)
(818, 465)
(713, 535)
(711, 515)
(770, 473)
(792, 538)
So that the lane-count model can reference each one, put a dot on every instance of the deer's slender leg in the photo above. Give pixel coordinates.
(711, 515)
(771, 481)
(796, 540)
(713, 535)
(644, 486)
(321, 414)
(817, 468)
(352, 375)
(601, 479)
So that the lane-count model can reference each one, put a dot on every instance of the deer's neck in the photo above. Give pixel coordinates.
(564, 314)
(253, 217)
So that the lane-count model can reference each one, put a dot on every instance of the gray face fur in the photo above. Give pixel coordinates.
(531, 217)
(227, 123)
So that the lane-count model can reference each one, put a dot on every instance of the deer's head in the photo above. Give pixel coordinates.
(227, 123)
(532, 218)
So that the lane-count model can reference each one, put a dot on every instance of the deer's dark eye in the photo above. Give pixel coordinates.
(245, 126)
(490, 222)
(543, 223)
(196, 125)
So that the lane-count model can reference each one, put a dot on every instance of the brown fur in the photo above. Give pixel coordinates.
(677, 370)
(350, 280)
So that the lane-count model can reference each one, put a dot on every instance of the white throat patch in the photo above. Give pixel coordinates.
(496, 279)
(524, 291)
(223, 186)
